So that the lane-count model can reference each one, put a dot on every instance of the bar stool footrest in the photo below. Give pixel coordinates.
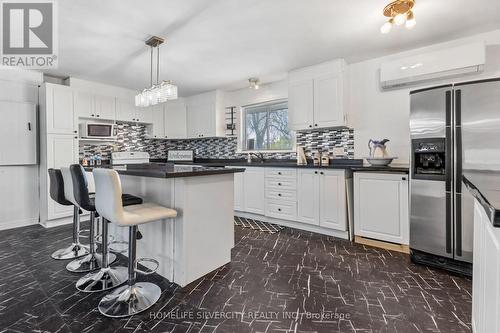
(149, 271)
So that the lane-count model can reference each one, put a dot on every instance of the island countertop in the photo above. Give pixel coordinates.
(485, 187)
(167, 170)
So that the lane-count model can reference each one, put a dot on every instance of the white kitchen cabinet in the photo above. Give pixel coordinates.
(239, 191)
(381, 206)
(62, 150)
(205, 115)
(486, 274)
(60, 116)
(332, 200)
(105, 107)
(158, 123)
(126, 111)
(308, 196)
(18, 133)
(175, 119)
(254, 194)
(84, 104)
(316, 96)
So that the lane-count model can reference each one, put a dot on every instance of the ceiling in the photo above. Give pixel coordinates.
(220, 43)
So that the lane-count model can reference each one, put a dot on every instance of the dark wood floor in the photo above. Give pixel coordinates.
(293, 281)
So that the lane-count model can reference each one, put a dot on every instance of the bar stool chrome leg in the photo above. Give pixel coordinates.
(75, 250)
(107, 277)
(134, 297)
(93, 260)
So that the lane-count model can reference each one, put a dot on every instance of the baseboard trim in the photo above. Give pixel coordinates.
(18, 223)
(57, 222)
(381, 244)
(295, 225)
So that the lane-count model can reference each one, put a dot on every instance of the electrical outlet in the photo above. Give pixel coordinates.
(338, 151)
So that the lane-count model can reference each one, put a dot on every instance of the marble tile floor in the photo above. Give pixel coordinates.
(292, 281)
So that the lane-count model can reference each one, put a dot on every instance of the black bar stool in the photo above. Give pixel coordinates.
(107, 277)
(75, 250)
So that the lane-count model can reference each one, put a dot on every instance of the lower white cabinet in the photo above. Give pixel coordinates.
(238, 191)
(253, 194)
(307, 196)
(485, 274)
(381, 206)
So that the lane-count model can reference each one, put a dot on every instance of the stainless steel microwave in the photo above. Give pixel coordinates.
(97, 131)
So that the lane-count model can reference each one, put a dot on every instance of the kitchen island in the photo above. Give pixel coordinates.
(199, 240)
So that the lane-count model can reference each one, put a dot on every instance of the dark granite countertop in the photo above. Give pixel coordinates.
(485, 187)
(347, 164)
(167, 170)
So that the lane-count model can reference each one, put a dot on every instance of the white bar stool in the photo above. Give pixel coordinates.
(134, 297)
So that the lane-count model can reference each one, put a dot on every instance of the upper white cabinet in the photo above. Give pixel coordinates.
(316, 96)
(89, 105)
(175, 119)
(126, 111)
(205, 115)
(381, 206)
(60, 118)
(158, 127)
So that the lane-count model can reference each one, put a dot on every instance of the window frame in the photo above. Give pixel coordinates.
(242, 133)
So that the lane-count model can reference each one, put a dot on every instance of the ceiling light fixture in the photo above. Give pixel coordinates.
(254, 83)
(399, 12)
(159, 92)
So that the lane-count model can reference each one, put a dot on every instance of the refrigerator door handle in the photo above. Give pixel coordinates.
(458, 172)
(448, 222)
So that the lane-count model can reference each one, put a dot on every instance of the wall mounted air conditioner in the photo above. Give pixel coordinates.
(454, 61)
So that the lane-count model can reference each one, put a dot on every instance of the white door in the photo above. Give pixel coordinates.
(60, 111)
(332, 200)
(328, 111)
(158, 122)
(308, 196)
(381, 206)
(238, 191)
(84, 104)
(62, 150)
(18, 133)
(105, 107)
(125, 111)
(254, 190)
(175, 120)
(300, 105)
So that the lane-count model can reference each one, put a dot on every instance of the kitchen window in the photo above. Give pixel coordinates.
(265, 127)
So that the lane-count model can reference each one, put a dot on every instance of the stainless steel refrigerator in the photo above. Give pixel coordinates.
(453, 128)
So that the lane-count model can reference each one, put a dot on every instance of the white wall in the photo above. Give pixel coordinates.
(19, 185)
(385, 114)
(102, 89)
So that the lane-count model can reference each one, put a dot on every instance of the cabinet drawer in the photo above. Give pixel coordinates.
(280, 195)
(281, 173)
(285, 183)
(281, 209)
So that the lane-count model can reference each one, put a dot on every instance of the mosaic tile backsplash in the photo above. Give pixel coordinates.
(133, 137)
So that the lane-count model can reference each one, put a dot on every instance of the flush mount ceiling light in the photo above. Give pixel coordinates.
(399, 12)
(159, 92)
(254, 83)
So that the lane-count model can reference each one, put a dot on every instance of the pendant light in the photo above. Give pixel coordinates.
(158, 92)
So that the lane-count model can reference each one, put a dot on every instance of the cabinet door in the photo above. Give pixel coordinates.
(300, 105)
(328, 101)
(332, 200)
(308, 196)
(125, 111)
(62, 150)
(60, 111)
(105, 107)
(200, 120)
(84, 104)
(158, 122)
(238, 191)
(175, 120)
(19, 126)
(381, 206)
(144, 115)
(254, 190)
